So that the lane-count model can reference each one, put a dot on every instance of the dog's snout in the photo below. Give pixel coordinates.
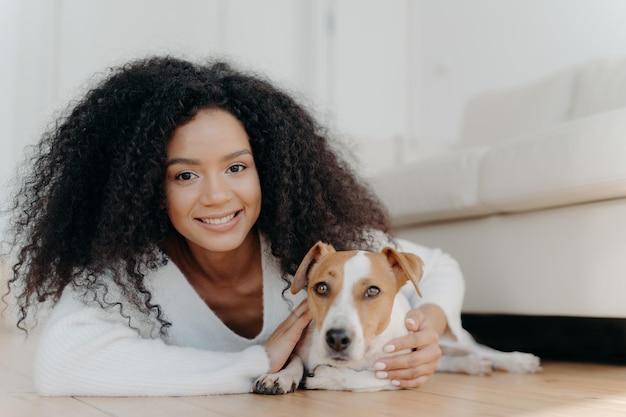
(337, 339)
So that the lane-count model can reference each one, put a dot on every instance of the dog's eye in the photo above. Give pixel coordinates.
(372, 292)
(321, 289)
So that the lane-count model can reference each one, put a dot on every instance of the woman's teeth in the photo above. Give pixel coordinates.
(219, 221)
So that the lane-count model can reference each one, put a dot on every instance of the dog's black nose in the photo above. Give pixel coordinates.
(337, 339)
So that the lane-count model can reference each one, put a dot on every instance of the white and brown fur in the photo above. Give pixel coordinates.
(357, 307)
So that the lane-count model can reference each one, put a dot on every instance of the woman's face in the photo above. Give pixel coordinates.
(212, 187)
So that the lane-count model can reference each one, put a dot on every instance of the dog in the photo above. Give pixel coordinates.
(357, 308)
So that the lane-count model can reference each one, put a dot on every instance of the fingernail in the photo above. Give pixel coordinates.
(412, 322)
(381, 374)
(379, 366)
(389, 348)
(394, 382)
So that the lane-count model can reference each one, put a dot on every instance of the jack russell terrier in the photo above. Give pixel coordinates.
(357, 307)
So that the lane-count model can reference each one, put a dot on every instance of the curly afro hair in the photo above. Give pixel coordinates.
(93, 203)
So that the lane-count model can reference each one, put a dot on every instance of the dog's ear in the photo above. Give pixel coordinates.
(313, 255)
(406, 266)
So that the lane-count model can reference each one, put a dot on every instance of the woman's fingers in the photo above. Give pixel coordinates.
(283, 340)
(417, 365)
(412, 369)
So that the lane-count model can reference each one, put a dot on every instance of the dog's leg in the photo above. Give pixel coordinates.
(282, 382)
(519, 362)
(468, 364)
(346, 379)
(468, 356)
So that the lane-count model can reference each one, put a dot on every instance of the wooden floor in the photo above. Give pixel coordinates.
(562, 389)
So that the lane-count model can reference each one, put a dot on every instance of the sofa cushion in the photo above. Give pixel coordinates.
(600, 86)
(493, 118)
(579, 161)
(441, 186)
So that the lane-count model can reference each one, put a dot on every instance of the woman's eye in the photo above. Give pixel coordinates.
(185, 176)
(236, 168)
(372, 292)
(321, 289)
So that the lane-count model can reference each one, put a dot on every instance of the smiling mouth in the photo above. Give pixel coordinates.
(221, 220)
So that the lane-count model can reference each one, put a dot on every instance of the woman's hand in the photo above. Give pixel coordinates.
(282, 342)
(414, 368)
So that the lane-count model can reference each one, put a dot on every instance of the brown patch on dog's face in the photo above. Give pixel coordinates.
(374, 296)
(325, 283)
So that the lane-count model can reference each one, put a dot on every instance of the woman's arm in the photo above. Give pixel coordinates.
(86, 350)
(81, 352)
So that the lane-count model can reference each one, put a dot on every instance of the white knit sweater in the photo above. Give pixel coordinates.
(85, 349)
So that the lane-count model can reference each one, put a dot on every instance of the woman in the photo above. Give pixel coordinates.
(161, 214)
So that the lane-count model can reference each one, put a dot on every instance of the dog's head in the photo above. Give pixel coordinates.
(351, 294)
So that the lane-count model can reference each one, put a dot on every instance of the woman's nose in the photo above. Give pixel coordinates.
(215, 190)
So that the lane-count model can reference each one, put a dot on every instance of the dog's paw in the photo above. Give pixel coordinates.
(478, 365)
(472, 364)
(518, 362)
(274, 384)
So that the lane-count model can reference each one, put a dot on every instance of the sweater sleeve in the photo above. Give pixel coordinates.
(442, 284)
(87, 350)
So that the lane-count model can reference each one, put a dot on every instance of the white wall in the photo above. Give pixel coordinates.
(9, 12)
(265, 36)
(93, 35)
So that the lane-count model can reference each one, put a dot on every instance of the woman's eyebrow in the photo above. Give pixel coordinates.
(236, 154)
(190, 161)
(182, 161)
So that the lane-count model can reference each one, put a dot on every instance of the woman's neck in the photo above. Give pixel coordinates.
(226, 269)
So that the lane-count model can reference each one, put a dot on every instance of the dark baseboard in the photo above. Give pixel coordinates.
(579, 339)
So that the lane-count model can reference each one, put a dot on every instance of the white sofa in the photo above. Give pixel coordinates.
(532, 200)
